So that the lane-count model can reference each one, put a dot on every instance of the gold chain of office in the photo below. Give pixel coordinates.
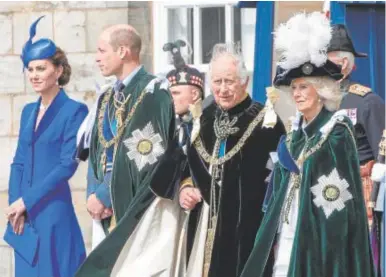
(121, 127)
(218, 161)
(319, 144)
(296, 179)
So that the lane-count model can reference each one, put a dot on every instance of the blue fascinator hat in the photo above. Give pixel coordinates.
(39, 50)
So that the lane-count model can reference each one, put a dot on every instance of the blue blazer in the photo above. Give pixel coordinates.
(43, 164)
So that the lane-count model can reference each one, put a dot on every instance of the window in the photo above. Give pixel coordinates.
(212, 30)
(202, 26)
(180, 26)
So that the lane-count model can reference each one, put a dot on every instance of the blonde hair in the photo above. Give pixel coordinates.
(328, 90)
(125, 35)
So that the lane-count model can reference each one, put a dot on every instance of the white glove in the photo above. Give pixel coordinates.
(378, 172)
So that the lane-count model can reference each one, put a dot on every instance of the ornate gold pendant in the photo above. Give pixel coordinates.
(119, 115)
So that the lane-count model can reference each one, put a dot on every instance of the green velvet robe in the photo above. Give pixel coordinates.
(133, 187)
(333, 246)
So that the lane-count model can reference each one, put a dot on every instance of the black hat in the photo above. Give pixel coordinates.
(285, 77)
(182, 74)
(186, 76)
(341, 41)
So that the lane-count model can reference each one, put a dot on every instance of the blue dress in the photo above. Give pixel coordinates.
(43, 164)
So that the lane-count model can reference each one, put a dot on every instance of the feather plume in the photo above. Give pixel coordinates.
(303, 38)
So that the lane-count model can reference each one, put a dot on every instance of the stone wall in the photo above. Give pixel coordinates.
(75, 27)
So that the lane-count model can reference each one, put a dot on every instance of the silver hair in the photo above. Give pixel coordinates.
(233, 50)
(350, 58)
(328, 90)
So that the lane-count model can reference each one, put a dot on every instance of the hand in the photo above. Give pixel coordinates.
(107, 213)
(378, 172)
(189, 197)
(95, 207)
(15, 210)
(18, 225)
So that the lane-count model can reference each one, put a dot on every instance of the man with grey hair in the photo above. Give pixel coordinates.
(131, 171)
(228, 161)
(365, 108)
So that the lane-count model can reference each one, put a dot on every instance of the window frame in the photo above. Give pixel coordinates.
(160, 16)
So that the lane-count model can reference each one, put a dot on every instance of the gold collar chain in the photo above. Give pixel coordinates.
(218, 161)
(318, 145)
(296, 179)
(225, 129)
(121, 127)
(120, 107)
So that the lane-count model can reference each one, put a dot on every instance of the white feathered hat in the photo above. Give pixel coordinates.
(301, 45)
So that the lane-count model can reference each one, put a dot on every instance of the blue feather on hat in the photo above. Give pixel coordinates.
(42, 49)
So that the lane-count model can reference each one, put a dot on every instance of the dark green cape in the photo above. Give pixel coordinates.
(133, 190)
(337, 246)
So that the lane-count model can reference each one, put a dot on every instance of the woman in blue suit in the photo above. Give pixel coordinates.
(43, 228)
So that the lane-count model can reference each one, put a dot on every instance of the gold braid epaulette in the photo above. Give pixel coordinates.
(218, 161)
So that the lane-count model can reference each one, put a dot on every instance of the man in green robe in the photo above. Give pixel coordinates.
(132, 171)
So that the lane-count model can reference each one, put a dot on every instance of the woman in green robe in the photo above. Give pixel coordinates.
(315, 224)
